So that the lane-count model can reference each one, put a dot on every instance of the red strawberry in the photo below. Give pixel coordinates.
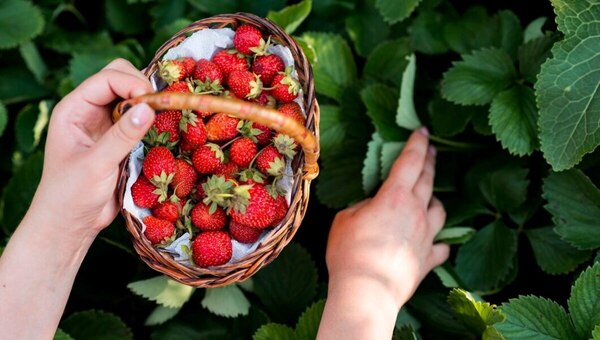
(175, 70)
(227, 170)
(264, 137)
(166, 122)
(242, 151)
(244, 234)
(207, 158)
(230, 60)
(211, 248)
(168, 211)
(248, 40)
(281, 211)
(258, 212)
(184, 179)
(221, 128)
(208, 72)
(158, 230)
(205, 220)
(265, 99)
(200, 189)
(159, 166)
(180, 86)
(270, 161)
(244, 84)
(193, 130)
(186, 147)
(293, 111)
(267, 66)
(284, 88)
(144, 193)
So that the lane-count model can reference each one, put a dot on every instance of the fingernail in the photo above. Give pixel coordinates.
(139, 114)
(432, 150)
(424, 131)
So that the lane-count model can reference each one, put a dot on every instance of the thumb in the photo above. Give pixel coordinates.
(118, 141)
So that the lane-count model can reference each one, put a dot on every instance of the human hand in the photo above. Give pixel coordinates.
(386, 243)
(84, 149)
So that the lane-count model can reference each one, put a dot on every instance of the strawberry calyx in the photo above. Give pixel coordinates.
(240, 199)
(253, 175)
(218, 191)
(285, 145)
(169, 71)
(262, 47)
(154, 138)
(207, 87)
(246, 129)
(188, 117)
(256, 87)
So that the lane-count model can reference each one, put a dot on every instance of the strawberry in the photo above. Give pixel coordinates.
(270, 161)
(165, 129)
(258, 211)
(175, 70)
(211, 248)
(207, 158)
(193, 130)
(244, 84)
(180, 86)
(248, 40)
(184, 179)
(144, 193)
(258, 133)
(208, 72)
(206, 219)
(221, 127)
(200, 189)
(158, 230)
(159, 168)
(251, 176)
(284, 87)
(293, 111)
(264, 137)
(168, 211)
(227, 170)
(267, 66)
(244, 234)
(230, 60)
(265, 99)
(186, 148)
(242, 151)
(281, 210)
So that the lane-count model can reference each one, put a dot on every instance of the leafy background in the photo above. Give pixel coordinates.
(510, 97)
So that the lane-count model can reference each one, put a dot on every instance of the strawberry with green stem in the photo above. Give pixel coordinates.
(208, 217)
(244, 84)
(253, 206)
(184, 179)
(159, 167)
(229, 61)
(248, 40)
(221, 127)
(158, 231)
(207, 158)
(165, 129)
(270, 161)
(193, 130)
(169, 210)
(285, 87)
(267, 66)
(211, 248)
(177, 69)
(242, 151)
(179, 86)
(145, 194)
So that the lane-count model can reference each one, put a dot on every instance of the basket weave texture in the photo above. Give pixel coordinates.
(304, 165)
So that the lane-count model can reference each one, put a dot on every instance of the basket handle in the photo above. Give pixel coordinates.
(236, 108)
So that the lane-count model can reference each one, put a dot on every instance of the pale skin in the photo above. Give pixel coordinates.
(379, 250)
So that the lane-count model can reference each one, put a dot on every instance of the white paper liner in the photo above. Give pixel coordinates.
(203, 44)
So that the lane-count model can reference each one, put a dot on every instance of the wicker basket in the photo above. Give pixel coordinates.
(305, 164)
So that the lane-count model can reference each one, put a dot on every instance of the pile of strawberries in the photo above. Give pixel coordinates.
(211, 174)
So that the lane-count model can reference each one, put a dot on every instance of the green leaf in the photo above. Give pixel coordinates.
(166, 12)
(335, 68)
(509, 31)
(30, 124)
(217, 7)
(534, 29)
(584, 303)
(479, 77)
(126, 18)
(371, 172)
(448, 278)
(391, 57)
(228, 301)
(455, 235)
(433, 310)
(332, 128)
(406, 116)
(95, 324)
(533, 54)
(460, 211)
(481, 124)
(292, 16)
(19, 192)
(487, 258)
(163, 290)
(160, 315)
(34, 60)
(574, 203)
(513, 117)
(395, 11)
(309, 50)
(308, 324)
(389, 153)
(404, 333)
(505, 188)
(366, 28)
(3, 118)
(166, 32)
(17, 84)
(201, 328)
(552, 254)
(572, 15)
(381, 102)
(68, 42)
(20, 21)
(476, 315)
(532, 317)
(61, 335)
(274, 331)
(448, 119)
(596, 333)
(85, 64)
(288, 284)
(404, 318)
(425, 33)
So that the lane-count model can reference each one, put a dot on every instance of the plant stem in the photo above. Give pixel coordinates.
(454, 144)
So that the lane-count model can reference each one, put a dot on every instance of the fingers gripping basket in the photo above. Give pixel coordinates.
(304, 166)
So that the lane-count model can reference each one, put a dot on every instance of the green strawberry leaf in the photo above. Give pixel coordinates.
(455, 235)
(291, 16)
(509, 32)
(332, 129)
(366, 28)
(404, 333)
(448, 119)
(335, 69)
(20, 21)
(228, 301)
(34, 61)
(308, 324)
(513, 117)
(552, 254)
(447, 276)
(596, 333)
(534, 29)
(212, 7)
(3, 118)
(532, 317)
(505, 186)
(479, 77)
(395, 11)
(584, 303)
(68, 42)
(163, 290)
(424, 33)
(533, 54)
(391, 57)
(404, 318)
(120, 18)
(381, 102)
(371, 171)
(486, 260)
(61, 335)
(460, 211)
(19, 192)
(95, 324)
(30, 124)
(389, 153)
(274, 331)
(476, 315)
(406, 116)
(166, 12)
(574, 203)
(288, 284)
(17, 84)
(433, 310)
(160, 315)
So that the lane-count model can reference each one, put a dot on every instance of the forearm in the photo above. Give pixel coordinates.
(37, 270)
(358, 308)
